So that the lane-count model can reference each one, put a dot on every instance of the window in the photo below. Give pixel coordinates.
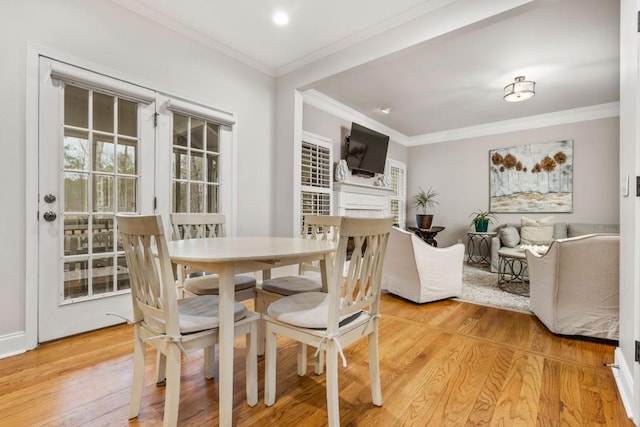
(195, 160)
(316, 183)
(397, 174)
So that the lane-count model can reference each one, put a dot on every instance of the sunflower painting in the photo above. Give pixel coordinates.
(532, 178)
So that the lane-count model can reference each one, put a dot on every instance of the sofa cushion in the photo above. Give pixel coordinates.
(560, 230)
(580, 229)
(509, 237)
(538, 232)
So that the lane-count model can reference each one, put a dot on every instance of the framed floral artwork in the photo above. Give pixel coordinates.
(532, 178)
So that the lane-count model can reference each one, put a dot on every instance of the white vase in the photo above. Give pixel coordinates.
(341, 171)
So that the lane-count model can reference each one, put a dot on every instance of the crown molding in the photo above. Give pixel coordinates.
(323, 102)
(424, 8)
(575, 115)
(197, 36)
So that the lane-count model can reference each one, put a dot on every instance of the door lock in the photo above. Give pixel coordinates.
(49, 216)
(49, 198)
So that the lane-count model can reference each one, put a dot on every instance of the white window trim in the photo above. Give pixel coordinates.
(403, 198)
(298, 187)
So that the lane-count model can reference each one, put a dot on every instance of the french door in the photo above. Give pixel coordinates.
(96, 159)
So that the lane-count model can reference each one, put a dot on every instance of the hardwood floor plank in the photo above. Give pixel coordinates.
(447, 363)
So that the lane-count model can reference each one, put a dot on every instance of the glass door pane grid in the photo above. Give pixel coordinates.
(106, 163)
(195, 165)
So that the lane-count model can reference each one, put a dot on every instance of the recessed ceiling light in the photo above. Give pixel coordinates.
(280, 18)
(385, 110)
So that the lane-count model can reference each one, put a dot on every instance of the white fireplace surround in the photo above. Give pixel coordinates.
(361, 200)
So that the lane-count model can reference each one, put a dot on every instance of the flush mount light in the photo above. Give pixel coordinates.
(385, 110)
(519, 90)
(280, 18)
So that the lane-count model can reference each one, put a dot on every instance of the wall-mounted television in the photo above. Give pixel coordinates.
(366, 150)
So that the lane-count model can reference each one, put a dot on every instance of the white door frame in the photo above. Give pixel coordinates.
(34, 52)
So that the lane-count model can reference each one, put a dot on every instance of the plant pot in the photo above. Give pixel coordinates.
(482, 226)
(424, 221)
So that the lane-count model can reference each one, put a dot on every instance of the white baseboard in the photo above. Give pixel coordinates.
(624, 380)
(12, 344)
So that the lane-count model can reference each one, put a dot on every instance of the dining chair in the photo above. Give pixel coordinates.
(332, 321)
(317, 227)
(173, 326)
(201, 225)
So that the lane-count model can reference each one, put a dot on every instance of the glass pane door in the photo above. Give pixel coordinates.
(96, 151)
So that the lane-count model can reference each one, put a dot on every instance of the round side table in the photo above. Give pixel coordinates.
(513, 272)
(479, 247)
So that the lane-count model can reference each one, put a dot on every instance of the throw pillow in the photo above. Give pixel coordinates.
(538, 232)
(509, 237)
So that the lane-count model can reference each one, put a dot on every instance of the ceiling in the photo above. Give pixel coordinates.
(570, 48)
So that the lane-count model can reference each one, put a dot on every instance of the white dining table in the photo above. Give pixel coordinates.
(228, 256)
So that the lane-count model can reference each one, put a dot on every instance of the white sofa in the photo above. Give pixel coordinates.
(574, 286)
(420, 272)
(561, 230)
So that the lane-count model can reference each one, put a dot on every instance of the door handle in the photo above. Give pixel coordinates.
(49, 216)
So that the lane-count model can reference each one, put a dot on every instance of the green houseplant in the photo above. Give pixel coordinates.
(481, 220)
(423, 200)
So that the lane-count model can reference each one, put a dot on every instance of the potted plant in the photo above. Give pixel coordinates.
(423, 200)
(481, 220)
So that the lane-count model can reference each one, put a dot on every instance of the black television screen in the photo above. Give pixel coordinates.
(366, 150)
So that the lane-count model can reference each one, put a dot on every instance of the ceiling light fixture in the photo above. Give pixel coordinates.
(519, 90)
(385, 110)
(280, 18)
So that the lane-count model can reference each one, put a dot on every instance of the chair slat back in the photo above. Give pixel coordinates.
(150, 271)
(197, 225)
(319, 227)
(360, 288)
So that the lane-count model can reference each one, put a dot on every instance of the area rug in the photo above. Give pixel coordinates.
(480, 286)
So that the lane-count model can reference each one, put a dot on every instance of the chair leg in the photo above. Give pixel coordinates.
(172, 392)
(139, 351)
(302, 359)
(161, 367)
(260, 308)
(211, 362)
(252, 365)
(333, 408)
(374, 369)
(319, 363)
(270, 368)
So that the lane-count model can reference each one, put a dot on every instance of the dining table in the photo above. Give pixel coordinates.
(228, 256)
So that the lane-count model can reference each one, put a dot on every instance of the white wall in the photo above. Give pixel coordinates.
(102, 33)
(459, 172)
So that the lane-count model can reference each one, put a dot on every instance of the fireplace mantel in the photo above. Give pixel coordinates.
(361, 200)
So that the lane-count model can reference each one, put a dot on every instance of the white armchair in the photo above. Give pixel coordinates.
(575, 287)
(420, 272)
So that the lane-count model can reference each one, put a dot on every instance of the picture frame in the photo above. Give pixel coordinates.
(532, 178)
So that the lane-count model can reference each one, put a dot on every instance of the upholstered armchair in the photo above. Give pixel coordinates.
(574, 286)
(420, 272)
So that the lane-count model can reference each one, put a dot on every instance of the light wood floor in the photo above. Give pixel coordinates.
(443, 364)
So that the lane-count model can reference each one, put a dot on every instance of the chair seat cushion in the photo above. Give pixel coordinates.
(291, 285)
(199, 314)
(305, 310)
(210, 284)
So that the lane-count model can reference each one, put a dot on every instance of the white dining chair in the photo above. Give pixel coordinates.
(332, 321)
(173, 326)
(316, 227)
(193, 282)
